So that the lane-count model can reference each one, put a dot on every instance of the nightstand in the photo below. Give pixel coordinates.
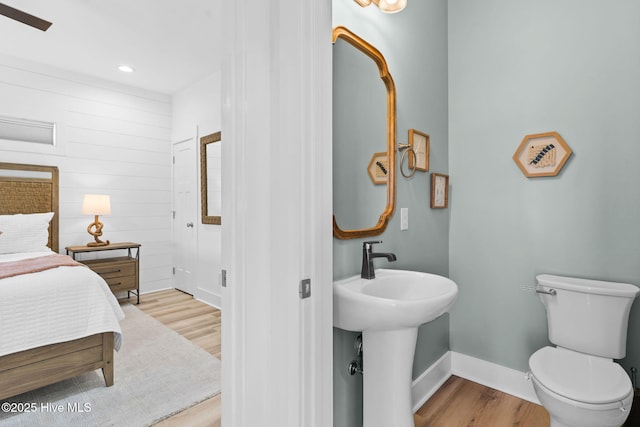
(122, 273)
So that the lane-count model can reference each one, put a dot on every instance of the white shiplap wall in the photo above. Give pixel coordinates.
(111, 139)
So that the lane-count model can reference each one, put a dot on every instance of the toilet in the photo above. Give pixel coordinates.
(577, 381)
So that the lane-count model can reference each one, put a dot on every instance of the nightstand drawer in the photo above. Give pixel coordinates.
(113, 268)
(122, 284)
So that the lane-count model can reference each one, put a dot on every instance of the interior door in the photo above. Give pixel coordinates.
(185, 215)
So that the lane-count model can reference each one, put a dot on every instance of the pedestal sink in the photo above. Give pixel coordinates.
(388, 311)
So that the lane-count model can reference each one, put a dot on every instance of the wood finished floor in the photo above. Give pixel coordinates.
(191, 318)
(463, 403)
(458, 403)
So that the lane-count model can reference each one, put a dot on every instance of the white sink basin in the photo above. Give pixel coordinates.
(395, 299)
(388, 311)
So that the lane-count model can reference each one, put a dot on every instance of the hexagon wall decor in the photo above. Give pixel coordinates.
(542, 154)
(378, 168)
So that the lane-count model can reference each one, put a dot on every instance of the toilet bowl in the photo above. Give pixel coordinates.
(580, 390)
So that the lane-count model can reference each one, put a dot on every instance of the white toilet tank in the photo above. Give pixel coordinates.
(589, 316)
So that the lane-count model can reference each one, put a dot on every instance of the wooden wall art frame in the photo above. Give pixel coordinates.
(420, 143)
(439, 191)
(204, 198)
(378, 168)
(377, 57)
(542, 154)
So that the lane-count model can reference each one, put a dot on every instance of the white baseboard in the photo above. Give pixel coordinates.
(489, 374)
(492, 375)
(209, 298)
(430, 381)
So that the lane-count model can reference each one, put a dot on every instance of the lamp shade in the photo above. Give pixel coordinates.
(96, 204)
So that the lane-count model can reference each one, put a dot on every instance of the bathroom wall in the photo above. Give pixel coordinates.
(518, 68)
(414, 44)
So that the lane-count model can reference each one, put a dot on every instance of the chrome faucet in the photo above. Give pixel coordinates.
(367, 259)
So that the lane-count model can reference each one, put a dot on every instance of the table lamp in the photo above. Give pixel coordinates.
(96, 204)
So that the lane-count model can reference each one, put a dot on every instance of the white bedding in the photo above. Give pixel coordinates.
(56, 305)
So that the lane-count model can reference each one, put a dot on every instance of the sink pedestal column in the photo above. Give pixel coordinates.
(387, 362)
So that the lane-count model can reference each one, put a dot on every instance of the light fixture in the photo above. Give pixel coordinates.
(96, 204)
(125, 68)
(387, 6)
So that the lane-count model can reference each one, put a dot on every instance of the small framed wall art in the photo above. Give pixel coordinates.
(378, 168)
(542, 154)
(439, 190)
(419, 142)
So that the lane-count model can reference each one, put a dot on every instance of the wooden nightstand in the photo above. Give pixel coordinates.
(122, 273)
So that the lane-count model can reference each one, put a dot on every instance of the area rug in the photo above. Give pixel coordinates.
(157, 373)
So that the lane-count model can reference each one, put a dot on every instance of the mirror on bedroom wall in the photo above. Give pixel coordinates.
(364, 138)
(210, 178)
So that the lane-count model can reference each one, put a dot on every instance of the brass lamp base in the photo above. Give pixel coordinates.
(96, 234)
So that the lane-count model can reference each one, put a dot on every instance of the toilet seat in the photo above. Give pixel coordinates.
(580, 377)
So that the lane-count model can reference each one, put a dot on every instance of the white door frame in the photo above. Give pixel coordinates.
(277, 213)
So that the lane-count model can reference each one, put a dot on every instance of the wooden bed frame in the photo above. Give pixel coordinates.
(34, 189)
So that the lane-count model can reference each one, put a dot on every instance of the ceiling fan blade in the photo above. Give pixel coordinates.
(24, 17)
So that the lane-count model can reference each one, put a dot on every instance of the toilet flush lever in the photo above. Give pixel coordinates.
(549, 292)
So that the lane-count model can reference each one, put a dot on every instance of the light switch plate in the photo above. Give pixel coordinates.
(404, 218)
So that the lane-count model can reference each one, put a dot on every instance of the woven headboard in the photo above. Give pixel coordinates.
(30, 189)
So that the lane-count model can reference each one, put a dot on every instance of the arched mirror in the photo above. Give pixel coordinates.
(364, 138)
(210, 179)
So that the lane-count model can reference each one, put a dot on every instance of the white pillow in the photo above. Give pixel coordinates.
(24, 232)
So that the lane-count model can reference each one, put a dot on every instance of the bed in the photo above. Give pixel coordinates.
(57, 323)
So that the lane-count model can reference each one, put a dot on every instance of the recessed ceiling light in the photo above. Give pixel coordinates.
(125, 68)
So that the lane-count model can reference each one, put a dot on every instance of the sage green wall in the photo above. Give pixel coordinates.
(414, 43)
(518, 68)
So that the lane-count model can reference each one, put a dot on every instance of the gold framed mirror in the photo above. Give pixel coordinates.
(364, 123)
(210, 179)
